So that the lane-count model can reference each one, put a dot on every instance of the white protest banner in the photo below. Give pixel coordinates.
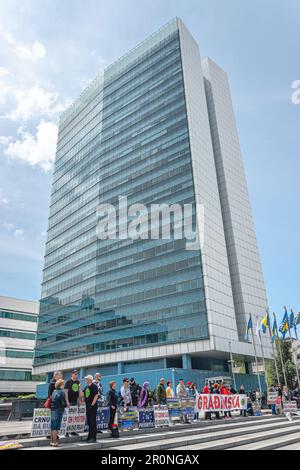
(290, 407)
(76, 419)
(73, 421)
(161, 416)
(215, 402)
(272, 398)
(41, 422)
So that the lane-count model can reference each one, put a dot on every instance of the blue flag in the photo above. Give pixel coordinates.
(293, 322)
(248, 328)
(284, 327)
(274, 330)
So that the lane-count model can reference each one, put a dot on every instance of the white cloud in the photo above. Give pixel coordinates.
(23, 51)
(18, 233)
(3, 71)
(7, 226)
(37, 150)
(34, 101)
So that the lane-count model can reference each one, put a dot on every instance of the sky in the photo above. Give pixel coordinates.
(51, 49)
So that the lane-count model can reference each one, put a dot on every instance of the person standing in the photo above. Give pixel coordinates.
(206, 391)
(273, 405)
(90, 394)
(161, 396)
(181, 391)
(56, 376)
(97, 382)
(58, 405)
(225, 391)
(216, 390)
(112, 398)
(135, 391)
(144, 396)
(73, 390)
(169, 390)
(243, 392)
(73, 393)
(126, 399)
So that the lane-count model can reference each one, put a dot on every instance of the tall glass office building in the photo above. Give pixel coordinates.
(157, 127)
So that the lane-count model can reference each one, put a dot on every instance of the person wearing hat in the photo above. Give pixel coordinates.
(112, 398)
(90, 394)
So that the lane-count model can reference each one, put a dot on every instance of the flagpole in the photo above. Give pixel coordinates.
(232, 367)
(273, 350)
(263, 356)
(293, 352)
(278, 347)
(255, 354)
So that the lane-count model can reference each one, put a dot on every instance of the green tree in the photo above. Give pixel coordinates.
(290, 370)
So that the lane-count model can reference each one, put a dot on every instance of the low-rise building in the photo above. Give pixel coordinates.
(18, 325)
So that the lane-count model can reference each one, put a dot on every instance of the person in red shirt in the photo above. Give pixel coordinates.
(225, 391)
(206, 391)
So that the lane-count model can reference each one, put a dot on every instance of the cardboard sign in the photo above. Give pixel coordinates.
(215, 402)
(146, 418)
(161, 416)
(128, 417)
(272, 398)
(290, 407)
(173, 405)
(73, 421)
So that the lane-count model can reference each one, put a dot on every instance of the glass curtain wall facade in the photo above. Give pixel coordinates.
(127, 135)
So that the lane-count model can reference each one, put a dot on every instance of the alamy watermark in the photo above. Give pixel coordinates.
(152, 222)
(296, 93)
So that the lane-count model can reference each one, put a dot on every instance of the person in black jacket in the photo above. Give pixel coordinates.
(56, 376)
(112, 398)
(216, 390)
(135, 391)
(58, 405)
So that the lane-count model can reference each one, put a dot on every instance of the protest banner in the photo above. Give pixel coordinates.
(272, 398)
(290, 407)
(146, 418)
(256, 406)
(41, 422)
(161, 416)
(102, 418)
(173, 405)
(128, 417)
(187, 406)
(76, 419)
(73, 421)
(215, 402)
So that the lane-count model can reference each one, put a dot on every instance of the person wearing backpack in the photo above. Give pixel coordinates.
(58, 405)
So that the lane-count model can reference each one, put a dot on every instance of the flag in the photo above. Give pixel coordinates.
(248, 328)
(264, 324)
(297, 318)
(274, 330)
(258, 330)
(293, 323)
(284, 327)
(291, 319)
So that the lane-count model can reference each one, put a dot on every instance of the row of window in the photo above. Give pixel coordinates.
(127, 343)
(18, 316)
(16, 334)
(22, 375)
(16, 354)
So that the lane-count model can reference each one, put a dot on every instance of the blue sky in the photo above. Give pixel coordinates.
(51, 49)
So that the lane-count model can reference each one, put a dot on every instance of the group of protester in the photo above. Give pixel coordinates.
(62, 394)
(285, 395)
